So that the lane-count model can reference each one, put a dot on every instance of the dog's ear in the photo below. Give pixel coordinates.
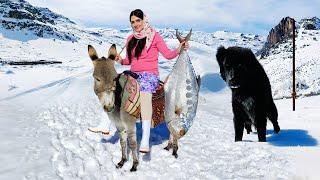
(92, 53)
(250, 57)
(221, 53)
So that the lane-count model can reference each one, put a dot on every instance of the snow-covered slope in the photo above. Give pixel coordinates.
(279, 64)
(22, 21)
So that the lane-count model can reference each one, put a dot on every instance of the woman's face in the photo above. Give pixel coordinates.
(136, 23)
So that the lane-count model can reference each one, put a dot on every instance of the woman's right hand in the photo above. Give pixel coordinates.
(118, 58)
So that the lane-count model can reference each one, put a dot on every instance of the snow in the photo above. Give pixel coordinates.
(45, 112)
(279, 65)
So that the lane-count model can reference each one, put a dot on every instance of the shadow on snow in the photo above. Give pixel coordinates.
(157, 135)
(291, 137)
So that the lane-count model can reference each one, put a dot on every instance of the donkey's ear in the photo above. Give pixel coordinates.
(112, 52)
(92, 53)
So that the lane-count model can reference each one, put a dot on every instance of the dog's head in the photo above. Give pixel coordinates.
(234, 63)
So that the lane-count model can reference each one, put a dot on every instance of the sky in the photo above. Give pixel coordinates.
(245, 16)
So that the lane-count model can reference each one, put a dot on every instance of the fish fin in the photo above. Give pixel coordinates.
(198, 81)
(181, 39)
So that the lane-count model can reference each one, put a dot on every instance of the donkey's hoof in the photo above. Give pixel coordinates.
(169, 146)
(175, 150)
(133, 169)
(121, 163)
(134, 166)
(175, 154)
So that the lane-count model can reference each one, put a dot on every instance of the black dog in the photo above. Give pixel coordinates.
(252, 101)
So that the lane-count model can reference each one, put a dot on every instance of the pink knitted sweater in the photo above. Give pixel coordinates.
(148, 60)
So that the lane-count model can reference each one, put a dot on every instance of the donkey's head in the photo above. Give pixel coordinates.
(104, 75)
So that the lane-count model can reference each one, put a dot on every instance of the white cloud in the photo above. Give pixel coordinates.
(209, 15)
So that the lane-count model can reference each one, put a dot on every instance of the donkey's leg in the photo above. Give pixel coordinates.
(173, 142)
(175, 146)
(131, 129)
(123, 143)
(169, 146)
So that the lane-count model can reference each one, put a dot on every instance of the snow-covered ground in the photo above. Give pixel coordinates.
(44, 123)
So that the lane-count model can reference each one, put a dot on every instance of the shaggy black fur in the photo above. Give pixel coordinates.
(252, 101)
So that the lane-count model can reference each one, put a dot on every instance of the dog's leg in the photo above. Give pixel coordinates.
(276, 127)
(238, 128)
(123, 144)
(238, 120)
(273, 116)
(261, 128)
(248, 127)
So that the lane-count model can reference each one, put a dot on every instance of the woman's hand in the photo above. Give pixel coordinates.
(118, 58)
(184, 45)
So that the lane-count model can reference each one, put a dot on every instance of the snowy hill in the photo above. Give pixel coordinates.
(24, 43)
(278, 63)
(19, 19)
(45, 110)
(310, 24)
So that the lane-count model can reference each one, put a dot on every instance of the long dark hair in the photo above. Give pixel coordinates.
(134, 42)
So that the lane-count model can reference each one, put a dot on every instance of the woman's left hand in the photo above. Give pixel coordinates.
(185, 45)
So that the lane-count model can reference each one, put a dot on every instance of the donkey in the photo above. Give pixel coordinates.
(105, 87)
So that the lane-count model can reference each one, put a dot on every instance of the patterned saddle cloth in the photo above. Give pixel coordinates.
(130, 98)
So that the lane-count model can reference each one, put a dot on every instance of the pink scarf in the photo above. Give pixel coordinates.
(147, 32)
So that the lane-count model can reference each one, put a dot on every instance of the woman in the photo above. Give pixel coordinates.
(143, 48)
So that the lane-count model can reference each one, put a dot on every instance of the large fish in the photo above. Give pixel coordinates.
(181, 93)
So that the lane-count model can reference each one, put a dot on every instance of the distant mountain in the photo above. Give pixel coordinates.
(276, 57)
(310, 24)
(219, 38)
(282, 33)
(19, 15)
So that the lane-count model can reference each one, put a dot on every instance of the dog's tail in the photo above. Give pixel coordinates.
(272, 114)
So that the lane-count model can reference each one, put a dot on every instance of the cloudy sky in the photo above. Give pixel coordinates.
(246, 16)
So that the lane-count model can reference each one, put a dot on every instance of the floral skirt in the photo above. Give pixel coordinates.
(149, 82)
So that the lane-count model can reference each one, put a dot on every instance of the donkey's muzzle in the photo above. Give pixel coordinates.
(108, 108)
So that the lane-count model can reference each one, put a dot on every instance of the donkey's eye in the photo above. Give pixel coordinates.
(97, 79)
